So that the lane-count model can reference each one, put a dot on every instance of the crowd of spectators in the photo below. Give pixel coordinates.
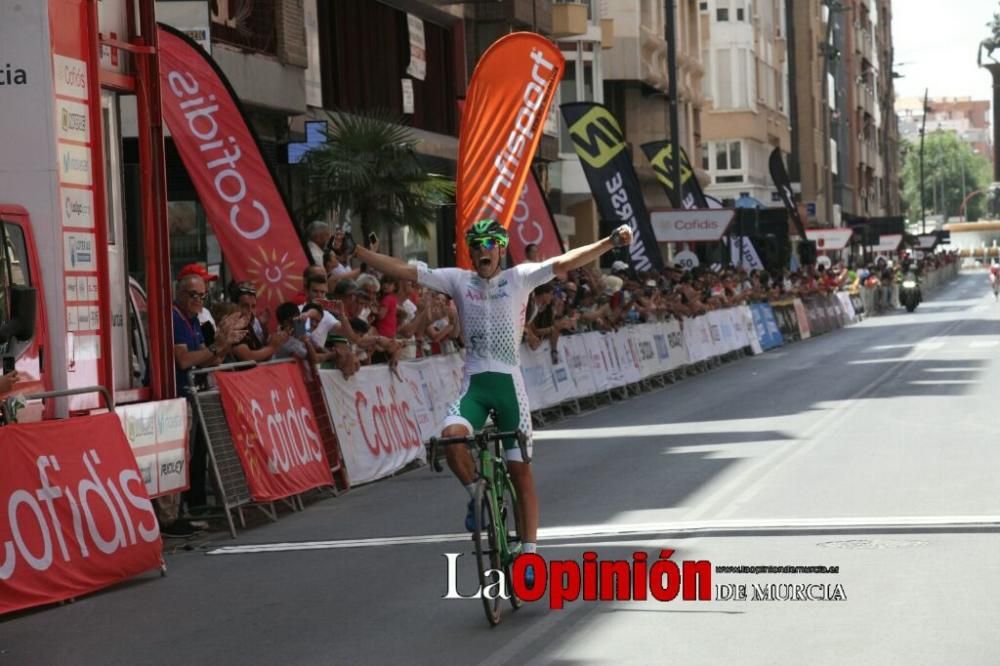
(588, 299)
(347, 316)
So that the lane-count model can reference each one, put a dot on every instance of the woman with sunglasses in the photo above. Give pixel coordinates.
(491, 303)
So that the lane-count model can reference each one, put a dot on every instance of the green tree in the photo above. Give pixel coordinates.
(994, 27)
(946, 156)
(369, 169)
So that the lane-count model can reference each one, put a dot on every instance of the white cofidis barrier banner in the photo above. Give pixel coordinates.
(378, 418)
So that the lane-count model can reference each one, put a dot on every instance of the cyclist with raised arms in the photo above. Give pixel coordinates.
(491, 306)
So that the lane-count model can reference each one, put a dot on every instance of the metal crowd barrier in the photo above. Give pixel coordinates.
(227, 468)
(8, 410)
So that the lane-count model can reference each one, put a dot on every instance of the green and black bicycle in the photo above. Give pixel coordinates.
(497, 533)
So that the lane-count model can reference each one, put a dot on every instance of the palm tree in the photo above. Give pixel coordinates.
(368, 169)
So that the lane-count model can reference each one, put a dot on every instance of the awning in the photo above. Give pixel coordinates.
(888, 243)
(829, 240)
(927, 242)
(697, 225)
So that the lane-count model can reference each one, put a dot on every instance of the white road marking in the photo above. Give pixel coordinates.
(660, 429)
(937, 382)
(983, 344)
(680, 527)
(873, 361)
(728, 451)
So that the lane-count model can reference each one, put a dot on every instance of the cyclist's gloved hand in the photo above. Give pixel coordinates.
(622, 236)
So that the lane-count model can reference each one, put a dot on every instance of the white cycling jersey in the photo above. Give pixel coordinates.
(491, 311)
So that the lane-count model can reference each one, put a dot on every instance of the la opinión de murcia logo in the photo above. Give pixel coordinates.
(12, 76)
(642, 578)
(638, 579)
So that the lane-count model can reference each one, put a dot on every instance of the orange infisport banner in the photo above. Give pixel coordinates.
(274, 430)
(76, 514)
(505, 108)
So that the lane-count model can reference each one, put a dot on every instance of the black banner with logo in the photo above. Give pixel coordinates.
(781, 181)
(659, 154)
(600, 144)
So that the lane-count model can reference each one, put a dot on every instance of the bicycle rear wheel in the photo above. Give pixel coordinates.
(487, 554)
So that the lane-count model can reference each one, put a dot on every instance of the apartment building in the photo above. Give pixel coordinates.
(845, 136)
(966, 117)
(745, 54)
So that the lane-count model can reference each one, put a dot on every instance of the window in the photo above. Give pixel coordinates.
(724, 80)
(721, 160)
(729, 179)
(735, 150)
(17, 256)
(704, 157)
(739, 13)
(721, 14)
(703, 6)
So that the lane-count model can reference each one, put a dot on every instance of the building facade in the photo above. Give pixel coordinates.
(845, 139)
(744, 49)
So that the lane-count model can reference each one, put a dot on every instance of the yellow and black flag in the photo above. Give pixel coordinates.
(659, 153)
(600, 144)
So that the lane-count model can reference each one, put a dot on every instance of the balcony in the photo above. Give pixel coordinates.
(865, 97)
(867, 153)
(261, 48)
(864, 43)
(569, 19)
(249, 26)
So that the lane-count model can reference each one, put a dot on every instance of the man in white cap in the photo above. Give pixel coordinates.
(619, 267)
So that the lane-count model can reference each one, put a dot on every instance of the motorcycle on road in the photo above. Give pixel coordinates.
(909, 293)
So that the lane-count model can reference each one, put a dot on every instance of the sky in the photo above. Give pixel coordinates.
(936, 42)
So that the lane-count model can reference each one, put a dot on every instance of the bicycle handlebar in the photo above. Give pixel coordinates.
(519, 436)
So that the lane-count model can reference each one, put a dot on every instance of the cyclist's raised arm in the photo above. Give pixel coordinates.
(386, 264)
(582, 256)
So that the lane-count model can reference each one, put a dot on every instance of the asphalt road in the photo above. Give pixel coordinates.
(873, 449)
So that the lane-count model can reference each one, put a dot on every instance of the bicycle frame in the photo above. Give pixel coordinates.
(493, 470)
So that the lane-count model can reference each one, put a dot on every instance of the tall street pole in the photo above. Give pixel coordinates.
(675, 154)
(828, 52)
(963, 183)
(923, 126)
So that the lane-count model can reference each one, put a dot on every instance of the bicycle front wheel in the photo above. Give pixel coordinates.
(488, 561)
(510, 524)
